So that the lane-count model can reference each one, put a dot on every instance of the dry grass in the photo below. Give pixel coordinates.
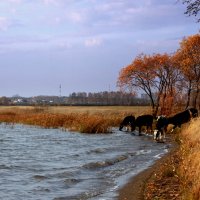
(136, 110)
(86, 119)
(189, 169)
(178, 177)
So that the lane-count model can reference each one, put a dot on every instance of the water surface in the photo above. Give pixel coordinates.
(45, 164)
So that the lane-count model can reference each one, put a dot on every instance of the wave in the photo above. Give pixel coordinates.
(98, 150)
(108, 162)
(39, 177)
(5, 167)
(71, 181)
(143, 152)
(82, 196)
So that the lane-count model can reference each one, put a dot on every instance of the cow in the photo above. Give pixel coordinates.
(183, 117)
(144, 120)
(194, 112)
(177, 120)
(161, 128)
(128, 121)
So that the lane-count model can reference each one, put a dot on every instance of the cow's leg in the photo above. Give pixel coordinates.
(140, 130)
(147, 130)
(163, 133)
(157, 135)
(165, 129)
(173, 128)
(132, 127)
(150, 128)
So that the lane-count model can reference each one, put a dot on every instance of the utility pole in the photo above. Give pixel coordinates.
(60, 90)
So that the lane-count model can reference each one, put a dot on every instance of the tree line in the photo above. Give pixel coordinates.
(174, 78)
(106, 98)
(80, 98)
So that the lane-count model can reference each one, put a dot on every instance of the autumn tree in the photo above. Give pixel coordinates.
(188, 61)
(167, 81)
(4, 101)
(138, 76)
(154, 75)
(193, 7)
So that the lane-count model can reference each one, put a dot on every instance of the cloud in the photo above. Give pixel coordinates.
(90, 22)
(76, 16)
(157, 45)
(4, 23)
(93, 42)
(14, 1)
(22, 43)
(121, 16)
(51, 2)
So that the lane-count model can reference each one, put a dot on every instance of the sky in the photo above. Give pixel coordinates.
(82, 44)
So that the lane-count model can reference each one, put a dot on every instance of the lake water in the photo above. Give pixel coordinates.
(51, 164)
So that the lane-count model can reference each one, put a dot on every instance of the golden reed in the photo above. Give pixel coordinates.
(189, 170)
(83, 122)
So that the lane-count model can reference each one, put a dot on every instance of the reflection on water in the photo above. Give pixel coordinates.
(44, 164)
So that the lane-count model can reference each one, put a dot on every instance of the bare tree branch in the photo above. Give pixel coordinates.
(193, 8)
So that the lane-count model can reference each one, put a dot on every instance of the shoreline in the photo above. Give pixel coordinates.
(135, 188)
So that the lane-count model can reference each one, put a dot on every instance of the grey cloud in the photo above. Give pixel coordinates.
(102, 20)
(22, 43)
(120, 16)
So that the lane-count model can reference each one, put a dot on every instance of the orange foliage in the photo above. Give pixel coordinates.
(154, 75)
(139, 71)
(165, 75)
(188, 56)
(187, 59)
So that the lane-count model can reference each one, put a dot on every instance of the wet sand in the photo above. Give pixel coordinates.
(135, 188)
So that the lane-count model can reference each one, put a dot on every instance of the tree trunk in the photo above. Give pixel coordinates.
(152, 104)
(195, 99)
(188, 95)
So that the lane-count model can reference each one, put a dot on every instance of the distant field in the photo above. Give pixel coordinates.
(134, 110)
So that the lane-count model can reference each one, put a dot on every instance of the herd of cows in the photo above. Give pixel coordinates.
(162, 122)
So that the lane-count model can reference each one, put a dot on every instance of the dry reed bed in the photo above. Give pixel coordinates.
(84, 119)
(189, 169)
(81, 122)
(77, 122)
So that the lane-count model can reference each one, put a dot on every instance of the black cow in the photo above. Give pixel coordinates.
(177, 120)
(128, 121)
(194, 112)
(183, 117)
(144, 120)
(161, 127)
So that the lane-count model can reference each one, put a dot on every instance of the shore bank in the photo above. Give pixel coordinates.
(140, 187)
